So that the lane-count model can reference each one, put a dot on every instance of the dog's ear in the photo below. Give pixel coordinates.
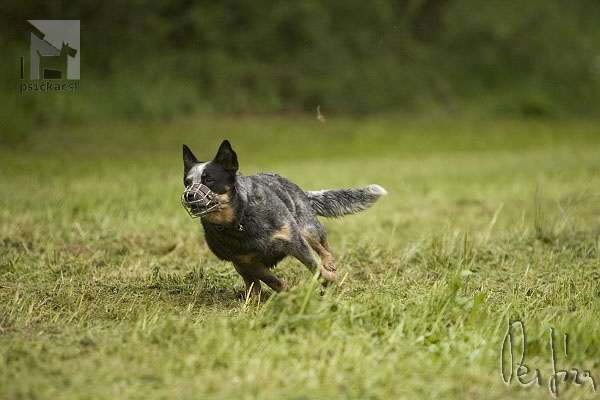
(226, 157)
(189, 159)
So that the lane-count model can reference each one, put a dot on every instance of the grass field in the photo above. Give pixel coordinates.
(107, 290)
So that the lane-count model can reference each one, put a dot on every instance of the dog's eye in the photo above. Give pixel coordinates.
(208, 180)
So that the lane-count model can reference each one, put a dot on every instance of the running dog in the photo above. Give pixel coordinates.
(256, 221)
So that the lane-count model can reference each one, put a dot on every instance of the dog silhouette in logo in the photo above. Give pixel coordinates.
(52, 66)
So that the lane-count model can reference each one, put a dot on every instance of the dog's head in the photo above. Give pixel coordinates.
(208, 185)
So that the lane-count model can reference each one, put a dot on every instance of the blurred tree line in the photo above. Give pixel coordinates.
(169, 57)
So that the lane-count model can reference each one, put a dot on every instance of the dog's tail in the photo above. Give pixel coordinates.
(340, 202)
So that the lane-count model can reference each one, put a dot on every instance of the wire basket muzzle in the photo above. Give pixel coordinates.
(198, 200)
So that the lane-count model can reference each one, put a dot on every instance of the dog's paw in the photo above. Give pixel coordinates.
(328, 267)
(328, 275)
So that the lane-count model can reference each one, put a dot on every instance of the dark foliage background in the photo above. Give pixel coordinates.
(161, 59)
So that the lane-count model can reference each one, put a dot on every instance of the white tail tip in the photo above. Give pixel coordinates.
(376, 190)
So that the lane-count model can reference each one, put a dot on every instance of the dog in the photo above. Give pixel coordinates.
(256, 221)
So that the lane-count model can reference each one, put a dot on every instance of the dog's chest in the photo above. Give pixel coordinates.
(245, 246)
(224, 241)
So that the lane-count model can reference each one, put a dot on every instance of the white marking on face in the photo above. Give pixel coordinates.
(195, 173)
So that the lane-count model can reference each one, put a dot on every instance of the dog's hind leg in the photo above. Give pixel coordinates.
(319, 244)
(328, 263)
(323, 250)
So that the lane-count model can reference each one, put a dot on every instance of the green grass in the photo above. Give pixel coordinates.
(107, 289)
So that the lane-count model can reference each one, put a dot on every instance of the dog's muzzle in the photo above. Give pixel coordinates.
(198, 200)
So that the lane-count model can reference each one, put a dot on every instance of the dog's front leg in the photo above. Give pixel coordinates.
(255, 273)
(252, 283)
(264, 274)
